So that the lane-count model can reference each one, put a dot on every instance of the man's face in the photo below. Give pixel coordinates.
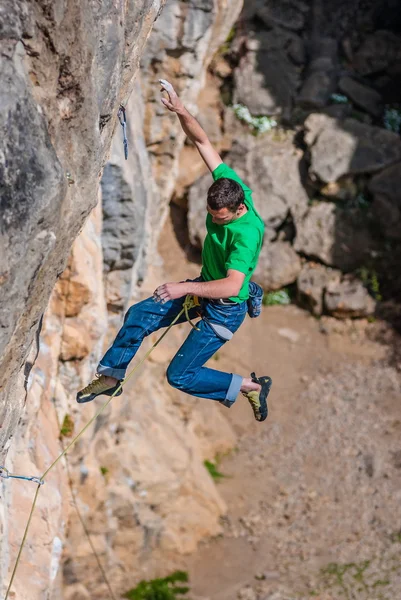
(222, 215)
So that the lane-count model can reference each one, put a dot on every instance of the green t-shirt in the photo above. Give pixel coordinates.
(235, 245)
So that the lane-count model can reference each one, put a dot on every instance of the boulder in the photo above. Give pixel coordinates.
(362, 95)
(385, 188)
(379, 52)
(266, 80)
(272, 170)
(321, 75)
(348, 147)
(290, 14)
(311, 285)
(348, 298)
(278, 265)
(336, 236)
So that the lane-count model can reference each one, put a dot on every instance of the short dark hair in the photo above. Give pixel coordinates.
(225, 193)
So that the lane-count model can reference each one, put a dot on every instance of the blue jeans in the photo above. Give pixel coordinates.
(186, 371)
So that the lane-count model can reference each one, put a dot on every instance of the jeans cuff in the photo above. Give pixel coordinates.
(233, 391)
(110, 371)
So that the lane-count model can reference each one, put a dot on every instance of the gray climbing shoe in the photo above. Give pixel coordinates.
(98, 387)
(258, 400)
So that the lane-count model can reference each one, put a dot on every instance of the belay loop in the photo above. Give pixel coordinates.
(123, 122)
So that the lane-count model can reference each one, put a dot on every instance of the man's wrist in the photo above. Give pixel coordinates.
(181, 110)
(189, 288)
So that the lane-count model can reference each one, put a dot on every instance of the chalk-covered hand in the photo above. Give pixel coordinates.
(173, 102)
(169, 291)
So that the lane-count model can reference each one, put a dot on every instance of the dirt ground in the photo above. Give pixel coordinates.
(314, 492)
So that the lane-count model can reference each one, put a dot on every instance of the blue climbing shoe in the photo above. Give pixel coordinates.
(98, 387)
(258, 400)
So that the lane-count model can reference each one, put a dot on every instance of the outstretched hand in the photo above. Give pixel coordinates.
(173, 103)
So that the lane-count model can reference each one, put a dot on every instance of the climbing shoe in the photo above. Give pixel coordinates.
(258, 400)
(98, 387)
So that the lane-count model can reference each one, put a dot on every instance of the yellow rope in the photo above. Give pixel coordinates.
(75, 502)
(23, 540)
(187, 305)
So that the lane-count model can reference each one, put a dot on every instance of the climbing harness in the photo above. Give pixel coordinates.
(189, 303)
(123, 122)
(5, 474)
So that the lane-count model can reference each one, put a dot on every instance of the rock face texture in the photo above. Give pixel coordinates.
(65, 68)
(349, 147)
(322, 180)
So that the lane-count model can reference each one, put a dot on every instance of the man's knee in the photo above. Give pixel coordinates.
(177, 379)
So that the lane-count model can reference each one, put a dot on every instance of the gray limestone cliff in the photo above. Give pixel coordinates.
(65, 67)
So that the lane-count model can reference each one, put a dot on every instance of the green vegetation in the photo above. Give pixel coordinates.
(367, 579)
(362, 201)
(225, 48)
(381, 582)
(231, 35)
(165, 588)
(280, 297)
(104, 471)
(370, 280)
(257, 124)
(396, 537)
(67, 427)
(335, 573)
(213, 470)
(339, 99)
(392, 119)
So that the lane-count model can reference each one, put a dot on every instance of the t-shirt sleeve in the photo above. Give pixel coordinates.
(242, 255)
(224, 170)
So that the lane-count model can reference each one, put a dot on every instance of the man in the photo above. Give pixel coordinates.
(229, 257)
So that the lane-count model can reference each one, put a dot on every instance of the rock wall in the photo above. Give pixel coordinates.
(65, 68)
(74, 65)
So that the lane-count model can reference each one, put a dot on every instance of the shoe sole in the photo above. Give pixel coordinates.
(109, 392)
(266, 384)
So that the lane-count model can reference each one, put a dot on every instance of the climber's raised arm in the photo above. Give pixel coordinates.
(191, 127)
